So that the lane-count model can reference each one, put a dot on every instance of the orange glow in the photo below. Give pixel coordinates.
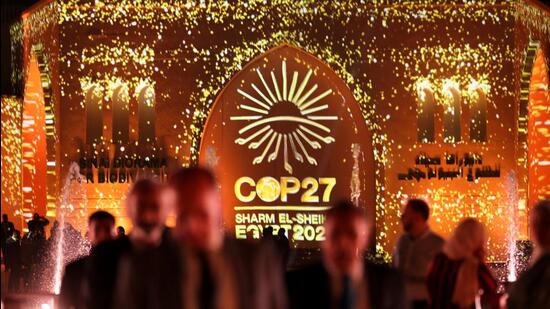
(34, 143)
(539, 132)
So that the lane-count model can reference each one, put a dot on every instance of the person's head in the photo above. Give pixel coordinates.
(35, 216)
(120, 231)
(143, 205)
(281, 232)
(5, 217)
(100, 227)
(415, 215)
(540, 224)
(467, 240)
(198, 208)
(268, 231)
(347, 234)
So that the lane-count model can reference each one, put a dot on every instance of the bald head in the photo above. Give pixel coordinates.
(143, 205)
(198, 207)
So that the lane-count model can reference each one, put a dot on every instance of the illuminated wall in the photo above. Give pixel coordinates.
(11, 157)
(271, 137)
(33, 144)
(539, 131)
(437, 82)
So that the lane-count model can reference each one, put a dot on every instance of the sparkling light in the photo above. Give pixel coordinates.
(203, 44)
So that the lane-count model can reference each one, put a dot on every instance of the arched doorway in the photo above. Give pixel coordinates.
(538, 131)
(39, 144)
(287, 140)
(33, 143)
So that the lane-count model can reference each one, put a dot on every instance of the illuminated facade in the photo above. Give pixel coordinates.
(443, 100)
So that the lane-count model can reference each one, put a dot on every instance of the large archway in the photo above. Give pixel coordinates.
(39, 139)
(538, 131)
(287, 140)
(34, 159)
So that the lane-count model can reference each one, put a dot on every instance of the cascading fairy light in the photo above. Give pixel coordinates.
(216, 39)
(11, 155)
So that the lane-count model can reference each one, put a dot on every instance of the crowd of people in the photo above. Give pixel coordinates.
(29, 258)
(197, 265)
(23, 255)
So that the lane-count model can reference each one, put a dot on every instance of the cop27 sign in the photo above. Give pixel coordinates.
(287, 140)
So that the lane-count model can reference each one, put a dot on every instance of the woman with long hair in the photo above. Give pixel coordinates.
(458, 277)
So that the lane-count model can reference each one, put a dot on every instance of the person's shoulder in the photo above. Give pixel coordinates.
(313, 273)
(543, 262)
(403, 238)
(433, 236)
(440, 256)
(114, 246)
(533, 280)
(540, 270)
(80, 262)
(77, 266)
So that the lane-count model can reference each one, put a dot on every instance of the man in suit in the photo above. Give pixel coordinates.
(343, 279)
(141, 270)
(100, 229)
(219, 271)
(531, 290)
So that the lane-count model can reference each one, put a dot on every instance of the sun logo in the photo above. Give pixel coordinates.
(284, 116)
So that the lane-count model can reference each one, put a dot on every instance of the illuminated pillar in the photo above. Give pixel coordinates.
(538, 132)
(452, 112)
(121, 115)
(146, 114)
(478, 112)
(11, 157)
(33, 144)
(425, 112)
(94, 114)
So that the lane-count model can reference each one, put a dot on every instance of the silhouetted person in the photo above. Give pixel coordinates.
(7, 231)
(283, 245)
(344, 279)
(100, 229)
(12, 256)
(219, 271)
(268, 239)
(141, 270)
(532, 290)
(120, 232)
(415, 250)
(459, 272)
(268, 232)
(36, 227)
(33, 251)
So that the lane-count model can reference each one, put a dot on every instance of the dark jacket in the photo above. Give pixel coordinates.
(71, 295)
(259, 280)
(532, 290)
(119, 275)
(310, 287)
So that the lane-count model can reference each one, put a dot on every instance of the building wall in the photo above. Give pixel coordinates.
(467, 54)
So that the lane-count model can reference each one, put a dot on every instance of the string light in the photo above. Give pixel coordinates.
(148, 43)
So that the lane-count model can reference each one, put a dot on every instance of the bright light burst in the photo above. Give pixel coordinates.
(304, 123)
